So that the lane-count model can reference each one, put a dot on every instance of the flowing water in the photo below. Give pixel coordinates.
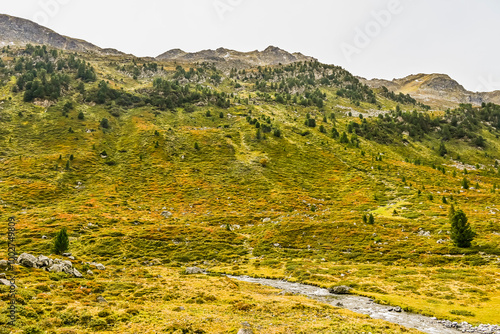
(363, 305)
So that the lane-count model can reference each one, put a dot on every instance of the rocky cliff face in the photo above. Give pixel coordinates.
(18, 31)
(436, 90)
(270, 56)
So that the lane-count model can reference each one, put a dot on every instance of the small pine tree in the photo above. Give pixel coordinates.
(221, 115)
(258, 135)
(196, 146)
(67, 165)
(465, 183)
(442, 150)
(343, 138)
(461, 231)
(444, 200)
(61, 242)
(371, 219)
(105, 123)
(365, 220)
(451, 212)
(81, 115)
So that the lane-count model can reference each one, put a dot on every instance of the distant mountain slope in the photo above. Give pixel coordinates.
(437, 90)
(18, 31)
(270, 56)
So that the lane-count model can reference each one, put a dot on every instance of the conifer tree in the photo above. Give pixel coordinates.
(61, 242)
(461, 231)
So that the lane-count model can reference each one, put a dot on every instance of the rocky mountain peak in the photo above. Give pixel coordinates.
(19, 31)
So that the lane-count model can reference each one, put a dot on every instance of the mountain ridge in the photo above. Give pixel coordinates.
(270, 56)
(435, 89)
(19, 31)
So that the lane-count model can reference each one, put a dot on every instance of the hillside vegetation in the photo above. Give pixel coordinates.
(153, 167)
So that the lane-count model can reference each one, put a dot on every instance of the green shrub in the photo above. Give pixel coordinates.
(462, 312)
(98, 324)
(61, 242)
(461, 231)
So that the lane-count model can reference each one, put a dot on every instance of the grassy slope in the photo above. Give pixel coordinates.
(313, 189)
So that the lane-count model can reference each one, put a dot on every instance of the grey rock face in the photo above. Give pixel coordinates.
(43, 261)
(100, 299)
(27, 260)
(245, 331)
(166, 214)
(5, 282)
(77, 274)
(194, 270)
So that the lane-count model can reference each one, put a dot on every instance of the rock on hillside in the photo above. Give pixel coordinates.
(18, 31)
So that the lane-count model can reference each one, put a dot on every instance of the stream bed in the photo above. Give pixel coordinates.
(366, 305)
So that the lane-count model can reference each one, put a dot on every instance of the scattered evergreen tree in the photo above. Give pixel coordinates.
(365, 220)
(196, 146)
(61, 242)
(442, 150)
(465, 183)
(258, 135)
(81, 116)
(344, 139)
(105, 123)
(461, 231)
(371, 219)
(451, 212)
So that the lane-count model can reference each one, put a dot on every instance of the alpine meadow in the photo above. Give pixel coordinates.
(144, 188)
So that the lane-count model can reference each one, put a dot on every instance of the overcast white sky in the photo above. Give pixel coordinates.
(371, 38)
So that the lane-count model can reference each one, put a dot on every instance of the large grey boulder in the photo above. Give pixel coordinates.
(56, 268)
(245, 331)
(166, 214)
(5, 282)
(101, 299)
(43, 261)
(99, 266)
(27, 260)
(340, 290)
(77, 274)
(194, 270)
(4, 263)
